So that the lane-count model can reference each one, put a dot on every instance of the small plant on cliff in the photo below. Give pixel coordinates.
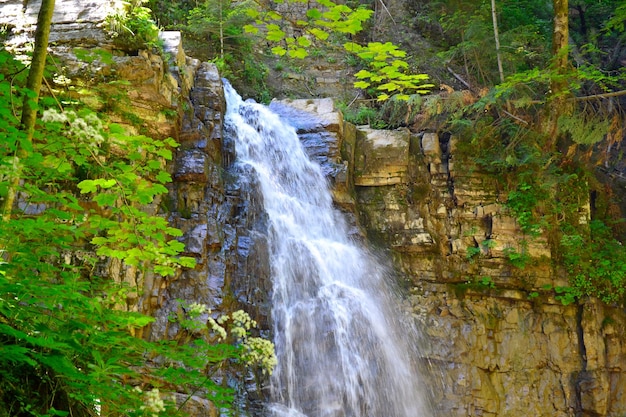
(522, 202)
(596, 263)
(132, 27)
(232, 329)
(518, 258)
(473, 252)
(362, 115)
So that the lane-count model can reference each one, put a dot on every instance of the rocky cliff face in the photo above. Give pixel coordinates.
(503, 346)
(498, 344)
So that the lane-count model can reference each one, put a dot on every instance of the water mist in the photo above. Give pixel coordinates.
(342, 349)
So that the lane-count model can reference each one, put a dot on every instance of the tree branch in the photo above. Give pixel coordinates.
(604, 95)
(458, 77)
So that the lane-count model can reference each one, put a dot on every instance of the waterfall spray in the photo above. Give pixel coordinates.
(342, 351)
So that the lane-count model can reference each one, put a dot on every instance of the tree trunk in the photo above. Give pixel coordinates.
(29, 106)
(557, 101)
(494, 16)
(560, 34)
(221, 30)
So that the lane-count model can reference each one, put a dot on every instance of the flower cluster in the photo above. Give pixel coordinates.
(195, 310)
(217, 328)
(242, 323)
(234, 328)
(87, 128)
(153, 403)
(260, 351)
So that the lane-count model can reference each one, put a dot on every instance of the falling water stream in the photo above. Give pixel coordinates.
(342, 352)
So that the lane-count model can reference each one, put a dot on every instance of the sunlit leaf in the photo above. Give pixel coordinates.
(313, 14)
(251, 29)
(279, 50)
(298, 53)
(318, 33)
(304, 41)
(382, 97)
(363, 74)
(388, 86)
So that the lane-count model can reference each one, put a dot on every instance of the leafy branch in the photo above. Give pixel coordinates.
(89, 193)
(387, 72)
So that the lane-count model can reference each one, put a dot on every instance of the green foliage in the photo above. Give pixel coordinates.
(616, 22)
(524, 29)
(132, 27)
(171, 14)
(519, 259)
(486, 282)
(489, 244)
(96, 54)
(584, 129)
(388, 73)
(596, 264)
(473, 252)
(218, 26)
(209, 18)
(481, 283)
(532, 295)
(522, 202)
(69, 343)
(362, 115)
(567, 295)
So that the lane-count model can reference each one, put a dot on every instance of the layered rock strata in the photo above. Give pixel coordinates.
(498, 343)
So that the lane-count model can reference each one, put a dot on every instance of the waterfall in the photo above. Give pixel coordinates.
(341, 348)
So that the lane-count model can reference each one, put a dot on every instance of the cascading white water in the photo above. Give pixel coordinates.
(341, 352)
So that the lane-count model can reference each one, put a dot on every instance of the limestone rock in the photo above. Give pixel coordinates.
(431, 148)
(74, 21)
(326, 114)
(381, 157)
(192, 166)
(196, 406)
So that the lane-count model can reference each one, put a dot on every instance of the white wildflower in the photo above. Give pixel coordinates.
(61, 79)
(241, 324)
(260, 352)
(219, 330)
(196, 310)
(52, 115)
(86, 129)
(243, 319)
(153, 403)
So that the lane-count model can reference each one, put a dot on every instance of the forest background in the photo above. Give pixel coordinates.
(534, 89)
